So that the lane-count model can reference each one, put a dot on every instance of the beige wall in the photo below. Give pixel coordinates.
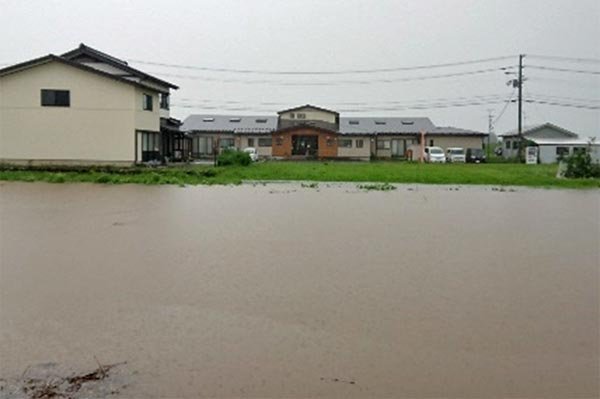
(355, 152)
(311, 114)
(146, 120)
(99, 125)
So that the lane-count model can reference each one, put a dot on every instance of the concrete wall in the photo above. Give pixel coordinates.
(354, 151)
(98, 126)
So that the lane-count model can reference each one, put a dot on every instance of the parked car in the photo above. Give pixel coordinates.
(252, 152)
(455, 154)
(475, 155)
(434, 154)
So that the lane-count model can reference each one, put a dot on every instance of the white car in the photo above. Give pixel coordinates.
(252, 152)
(434, 155)
(456, 154)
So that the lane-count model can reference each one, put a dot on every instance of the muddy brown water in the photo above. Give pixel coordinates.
(279, 290)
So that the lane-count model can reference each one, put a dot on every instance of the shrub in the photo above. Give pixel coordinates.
(580, 165)
(233, 157)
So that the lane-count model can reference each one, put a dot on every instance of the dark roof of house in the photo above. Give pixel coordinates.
(230, 123)
(532, 128)
(55, 58)
(86, 51)
(385, 125)
(455, 131)
(308, 106)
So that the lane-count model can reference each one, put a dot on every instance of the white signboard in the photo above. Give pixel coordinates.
(531, 155)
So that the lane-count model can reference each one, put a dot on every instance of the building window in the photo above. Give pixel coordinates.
(359, 143)
(250, 142)
(264, 142)
(515, 145)
(147, 102)
(227, 143)
(56, 98)
(431, 143)
(345, 143)
(279, 141)
(562, 152)
(507, 145)
(383, 144)
(579, 150)
(164, 101)
(292, 115)
(300, 116)
(150, 146)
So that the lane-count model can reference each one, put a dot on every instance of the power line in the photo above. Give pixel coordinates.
(338, 72)
(545, 68)
(505, 106)
(565, 59)
(352, 103)
(363, 109)
(336, 83)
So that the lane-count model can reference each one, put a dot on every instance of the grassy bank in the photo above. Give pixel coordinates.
(392, 172)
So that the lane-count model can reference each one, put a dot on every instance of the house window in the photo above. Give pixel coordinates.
(147, 104)
(300, 116)
(264, 142)
(227, 143)
(261, 121)
(292, 115)
(431, 143)
(250, 142)
(56, 98)
(150, 146)
(579, 150)
(345, 143)
(383, 144)
(562, 152)
(515, 145)
(164, 101)
(507, 144)
(353, 122)
(359, 143)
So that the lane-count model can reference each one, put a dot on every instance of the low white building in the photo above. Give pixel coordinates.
(554, 142)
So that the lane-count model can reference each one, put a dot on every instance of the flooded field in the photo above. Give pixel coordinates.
(280, 290)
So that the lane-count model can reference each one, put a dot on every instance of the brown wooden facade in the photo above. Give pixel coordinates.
(300, 141)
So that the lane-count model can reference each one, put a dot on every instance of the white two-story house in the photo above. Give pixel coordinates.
(85, 107)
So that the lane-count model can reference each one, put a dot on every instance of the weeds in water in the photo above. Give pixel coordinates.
(376, 187)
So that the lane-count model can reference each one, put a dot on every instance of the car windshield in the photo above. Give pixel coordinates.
(477, 152)
(457, 151)
(435, 151)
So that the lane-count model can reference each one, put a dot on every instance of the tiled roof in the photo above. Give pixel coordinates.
(230, 123)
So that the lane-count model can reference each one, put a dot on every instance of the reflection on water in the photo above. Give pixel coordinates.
(291, 291)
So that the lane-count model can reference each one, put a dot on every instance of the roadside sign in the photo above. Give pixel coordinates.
(531, 155)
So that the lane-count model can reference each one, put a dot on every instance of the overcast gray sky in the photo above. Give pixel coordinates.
(306, 35)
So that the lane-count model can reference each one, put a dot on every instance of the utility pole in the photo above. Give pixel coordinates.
(490, 130)
(520, 87)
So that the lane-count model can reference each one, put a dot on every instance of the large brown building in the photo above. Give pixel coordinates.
(308, 131)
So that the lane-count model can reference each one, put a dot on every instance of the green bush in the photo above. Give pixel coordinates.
(580, 165)
(233, 157)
